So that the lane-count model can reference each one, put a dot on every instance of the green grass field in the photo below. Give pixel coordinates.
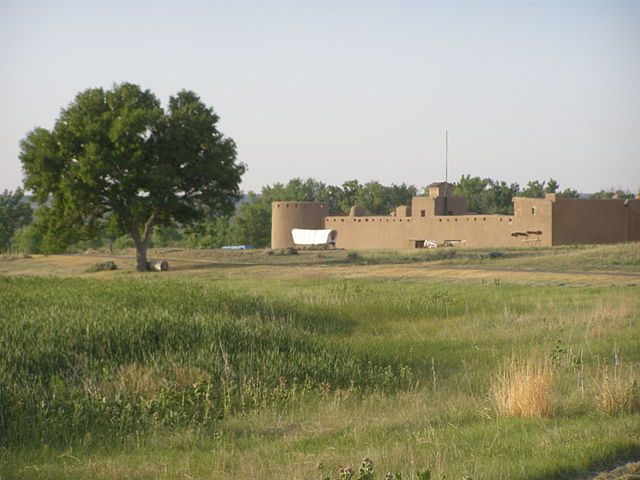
(252, 365)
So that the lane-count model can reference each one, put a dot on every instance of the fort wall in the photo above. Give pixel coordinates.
(548, 221)
(371, 231)
(531, 225)
(595, 221)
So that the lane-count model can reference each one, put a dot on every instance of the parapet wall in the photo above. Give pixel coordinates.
(286, 216)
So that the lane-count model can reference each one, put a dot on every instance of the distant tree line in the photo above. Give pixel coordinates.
(485, 195)
(250, 224)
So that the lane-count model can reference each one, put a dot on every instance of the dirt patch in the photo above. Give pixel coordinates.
(630, 471)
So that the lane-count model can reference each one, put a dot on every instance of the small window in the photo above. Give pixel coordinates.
(423, 213)
(533, 210)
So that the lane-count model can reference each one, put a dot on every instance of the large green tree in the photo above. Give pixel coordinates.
(116, 161)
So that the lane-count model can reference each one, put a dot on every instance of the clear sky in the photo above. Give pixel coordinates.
(340, 90)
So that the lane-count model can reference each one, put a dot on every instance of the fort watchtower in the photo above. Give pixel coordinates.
(286, 216)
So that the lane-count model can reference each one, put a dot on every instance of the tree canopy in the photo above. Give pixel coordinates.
(116, 161)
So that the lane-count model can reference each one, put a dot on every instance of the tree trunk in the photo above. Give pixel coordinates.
(141, 256)
(142, 242)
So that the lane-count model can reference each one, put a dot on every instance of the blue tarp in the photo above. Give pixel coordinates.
(237, 247)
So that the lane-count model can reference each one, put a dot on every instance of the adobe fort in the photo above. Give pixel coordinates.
(441, 217)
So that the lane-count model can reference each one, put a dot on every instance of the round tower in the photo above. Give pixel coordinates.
(286, 216)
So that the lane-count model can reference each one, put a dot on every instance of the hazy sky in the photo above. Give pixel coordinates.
(340, 90)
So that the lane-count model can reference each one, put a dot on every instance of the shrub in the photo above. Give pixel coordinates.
(98, 267)
(444, 254)
(353, 256)
(123, 242)
(366, 472)
(286, 251)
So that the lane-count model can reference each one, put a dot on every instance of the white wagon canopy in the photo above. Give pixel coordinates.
(314, 237)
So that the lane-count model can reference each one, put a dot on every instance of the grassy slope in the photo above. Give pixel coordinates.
(73, 336)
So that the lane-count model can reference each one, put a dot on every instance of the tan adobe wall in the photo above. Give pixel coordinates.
(533, 217)
(452, 205)
(356, 211)
(286, 216)
(423, 206)
(429, 206)
(402, 211)
(530, 226)
(595, 221)
(474, 230)
(634, 220)
(371, 231)
(536, 221)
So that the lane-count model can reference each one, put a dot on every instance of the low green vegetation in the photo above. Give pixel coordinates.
(203, 377)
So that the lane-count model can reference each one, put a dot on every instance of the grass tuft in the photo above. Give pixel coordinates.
(189, 376)
(134, 380)
(524, 389)
(617, 394)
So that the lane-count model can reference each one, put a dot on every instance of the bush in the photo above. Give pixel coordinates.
(98, 267)
(354, 256)
(286, 251)
(123, 242)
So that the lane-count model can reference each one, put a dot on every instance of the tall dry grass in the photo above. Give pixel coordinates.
(524, 389)
(133, 379)
(618, 392)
